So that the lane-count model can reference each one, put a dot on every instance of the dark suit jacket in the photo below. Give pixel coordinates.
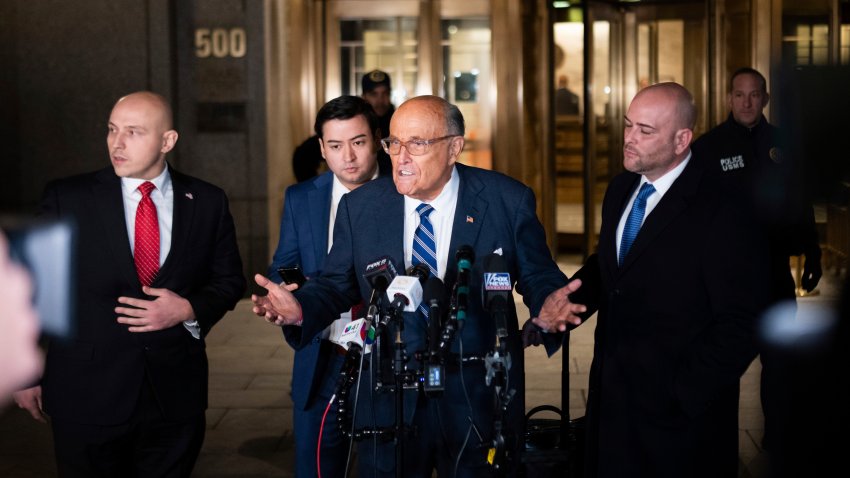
(753, 166)
(675, 332)
(304, 242)
(96, 377)
(493, 212)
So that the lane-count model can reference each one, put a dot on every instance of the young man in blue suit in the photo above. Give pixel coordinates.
(348, 134)
(158, 266)
(678, 280)
(487, 211)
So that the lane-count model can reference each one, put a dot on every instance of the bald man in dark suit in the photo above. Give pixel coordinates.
(158, 267)
(678, 280)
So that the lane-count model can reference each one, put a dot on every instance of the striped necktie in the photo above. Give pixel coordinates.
(634, 221)
(425, 245)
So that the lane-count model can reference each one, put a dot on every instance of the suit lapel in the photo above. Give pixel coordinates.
(319, 200)
(674, 203)
(392, 240)
(469, 214)
(108, 201)
(185, 199)
(620, 193)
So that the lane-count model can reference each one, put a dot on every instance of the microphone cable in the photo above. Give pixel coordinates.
(374, 367)
(321, 430)
(354, 410)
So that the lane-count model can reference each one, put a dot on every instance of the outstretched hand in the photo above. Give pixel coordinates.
(279, 306)
(558, 311)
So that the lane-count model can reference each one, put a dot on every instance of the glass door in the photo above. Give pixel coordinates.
(440, 48)
(604, 54)
(588, 79)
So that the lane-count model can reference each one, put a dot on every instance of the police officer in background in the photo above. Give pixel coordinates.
(378, 92)
(744, 154)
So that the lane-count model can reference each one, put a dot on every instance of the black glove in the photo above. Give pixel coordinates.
(812, 271)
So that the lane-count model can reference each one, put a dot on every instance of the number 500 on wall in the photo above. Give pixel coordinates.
(220, 42)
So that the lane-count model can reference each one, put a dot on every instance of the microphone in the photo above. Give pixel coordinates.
(496, 288)
(361, 332)
(379, 273)
(356, 333)
(434, 296)
(494, 296)
(353, 338)
(406, 292)
(419, 270)
(460, 298)
(465, 256)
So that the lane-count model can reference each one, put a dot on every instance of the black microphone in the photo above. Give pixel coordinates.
(349, 371)
(460, 298)
(422, 271)
(434, 296)
(496, 288)
(465, 256)
(379, 274)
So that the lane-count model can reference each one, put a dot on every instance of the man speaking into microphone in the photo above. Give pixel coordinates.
(430, 208)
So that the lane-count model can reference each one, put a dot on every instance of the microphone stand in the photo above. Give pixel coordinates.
(396, 317)
(498, 363)
(398, 369)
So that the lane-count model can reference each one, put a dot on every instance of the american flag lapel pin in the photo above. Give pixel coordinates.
(470, 219)
(189, 195)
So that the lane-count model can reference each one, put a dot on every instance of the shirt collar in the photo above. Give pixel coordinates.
(663, 183)
(161, 182)
(339, 189)
(442, 202)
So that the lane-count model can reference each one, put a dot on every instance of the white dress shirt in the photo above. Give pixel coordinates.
(442, 218)
(662, 185)
(163, 199)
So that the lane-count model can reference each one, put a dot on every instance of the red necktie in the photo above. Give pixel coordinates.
(146, 254)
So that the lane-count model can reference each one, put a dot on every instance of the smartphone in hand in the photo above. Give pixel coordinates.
(292, 275)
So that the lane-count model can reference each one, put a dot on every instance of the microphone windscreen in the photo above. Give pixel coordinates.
(465, 253)
(434, 290)
(419, 270)
(380, 272)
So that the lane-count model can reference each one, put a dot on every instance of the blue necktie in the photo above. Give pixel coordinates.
(634, 220)
(424, 245)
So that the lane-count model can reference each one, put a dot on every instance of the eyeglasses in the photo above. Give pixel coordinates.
(416, 147)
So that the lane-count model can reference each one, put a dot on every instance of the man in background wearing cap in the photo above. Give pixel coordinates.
(377, 91)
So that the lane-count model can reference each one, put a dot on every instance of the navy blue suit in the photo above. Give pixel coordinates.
(494, 212)
(304, 241)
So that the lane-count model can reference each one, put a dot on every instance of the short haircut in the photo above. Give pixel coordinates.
(747, 71)
(454, 120)
(343, 108)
